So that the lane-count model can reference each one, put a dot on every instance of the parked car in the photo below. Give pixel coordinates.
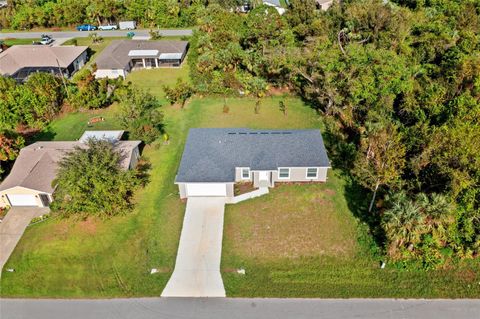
(127, 25)
(108, 27)
(46, 39)
(86, 27)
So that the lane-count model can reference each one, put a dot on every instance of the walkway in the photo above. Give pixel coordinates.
(12, 228)
(197, 268)
(240, 198)
(222, 308)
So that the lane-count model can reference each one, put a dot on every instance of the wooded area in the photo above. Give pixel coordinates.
(398, 84)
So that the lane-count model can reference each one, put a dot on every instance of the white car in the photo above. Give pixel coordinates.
(108, 27)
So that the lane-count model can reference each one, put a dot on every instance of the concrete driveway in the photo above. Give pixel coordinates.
(197, 268)
(12, 228)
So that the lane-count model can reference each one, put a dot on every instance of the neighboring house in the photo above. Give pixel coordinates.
(324, 4)
(276, 4)
(30, 181)
(20, 61)
(215, 159)
(123, 56)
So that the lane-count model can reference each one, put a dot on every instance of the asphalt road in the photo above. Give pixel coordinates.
(221, 308)
(79, 34)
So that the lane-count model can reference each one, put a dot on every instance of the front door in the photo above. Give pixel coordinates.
(264, 179)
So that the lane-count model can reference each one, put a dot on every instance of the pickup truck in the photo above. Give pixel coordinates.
(108, 27)
(86, 27)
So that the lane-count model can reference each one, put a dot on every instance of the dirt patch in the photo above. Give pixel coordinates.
(88, 226)
(278, 91)
(467, 276)
(243, 188)
(292, 221)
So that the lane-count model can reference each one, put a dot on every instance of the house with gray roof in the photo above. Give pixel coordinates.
(30, 182)
(214, 159)
(20, 61)
(123, 56)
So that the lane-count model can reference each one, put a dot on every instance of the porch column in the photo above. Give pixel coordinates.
(143, 60)
(156, 62)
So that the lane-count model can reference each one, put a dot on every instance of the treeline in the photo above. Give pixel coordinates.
(398, 84)
(24, 14)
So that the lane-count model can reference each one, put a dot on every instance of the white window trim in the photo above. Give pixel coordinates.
(284, 178)
(249, 173)
(316, 173)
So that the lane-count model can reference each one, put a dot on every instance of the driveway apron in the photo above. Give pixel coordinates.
(197, 268)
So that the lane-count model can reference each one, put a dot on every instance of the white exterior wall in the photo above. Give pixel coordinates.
(20, 191)
(110, 73)
(183, 189)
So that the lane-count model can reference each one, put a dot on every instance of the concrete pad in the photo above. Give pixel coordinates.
(197, 268)
(12, 228)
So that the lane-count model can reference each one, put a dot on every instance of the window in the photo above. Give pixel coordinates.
(312, 172)
(245, 173)
(283, 173)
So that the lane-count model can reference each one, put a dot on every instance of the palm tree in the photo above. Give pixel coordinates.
(403, 222)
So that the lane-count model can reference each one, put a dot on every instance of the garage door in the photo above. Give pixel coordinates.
(206, 189)
(22, 200)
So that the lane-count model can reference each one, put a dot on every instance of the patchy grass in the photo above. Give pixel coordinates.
(293, 221)
(303, 241)
(112, 258)
(297, 241)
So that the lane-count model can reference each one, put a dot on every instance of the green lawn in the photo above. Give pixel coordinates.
(11, 42)
(297, 241)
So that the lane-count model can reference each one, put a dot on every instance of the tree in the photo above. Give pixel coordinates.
(10, 145)
(180, 93)
(90, 93)
(140, 114)
(381, 157)
(91, 182)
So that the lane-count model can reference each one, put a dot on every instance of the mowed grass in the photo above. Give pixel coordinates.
(112, 258)
(301, 240)
(14, 41)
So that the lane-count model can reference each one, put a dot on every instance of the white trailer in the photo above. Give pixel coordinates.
(127, 25)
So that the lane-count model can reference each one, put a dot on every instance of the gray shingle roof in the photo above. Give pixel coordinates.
(212, 154)
(115, 56)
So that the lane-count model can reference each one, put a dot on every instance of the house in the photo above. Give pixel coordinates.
(324, 4)
(20, 61)
(30, 181)
(276, 4)
(123, 56)
(215, 159)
